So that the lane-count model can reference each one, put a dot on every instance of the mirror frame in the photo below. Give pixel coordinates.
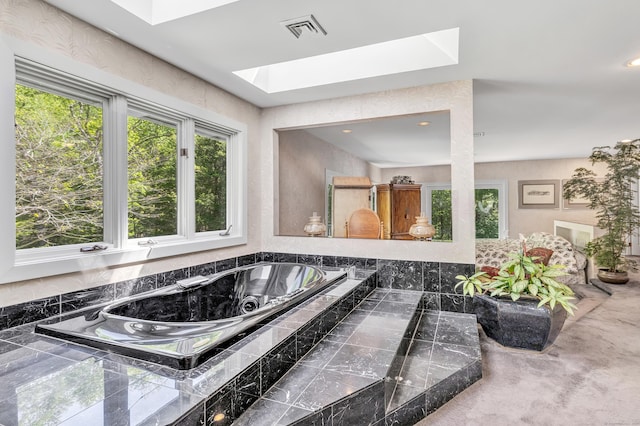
(456, 97)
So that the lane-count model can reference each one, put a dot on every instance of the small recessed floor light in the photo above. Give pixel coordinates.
(347, 130)
(423, 123)
(633, 63)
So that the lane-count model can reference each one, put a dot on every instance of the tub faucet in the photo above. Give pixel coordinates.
(191, 282)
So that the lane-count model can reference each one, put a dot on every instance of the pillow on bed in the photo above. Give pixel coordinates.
(563, 253)
(540, 255)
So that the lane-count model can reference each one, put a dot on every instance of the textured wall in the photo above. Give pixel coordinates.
(303, 159)
(34, 26)
(526, 221)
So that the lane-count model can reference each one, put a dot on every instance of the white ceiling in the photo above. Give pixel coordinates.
(549, 79)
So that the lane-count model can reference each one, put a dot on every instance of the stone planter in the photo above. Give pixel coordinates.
(607, 276)
(520, 324)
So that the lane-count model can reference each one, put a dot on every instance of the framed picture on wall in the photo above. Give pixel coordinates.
(538, 194)
(575, 203)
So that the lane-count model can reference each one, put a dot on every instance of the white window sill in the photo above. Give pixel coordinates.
(31, 265)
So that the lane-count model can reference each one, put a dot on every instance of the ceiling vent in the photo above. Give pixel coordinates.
(305, 24)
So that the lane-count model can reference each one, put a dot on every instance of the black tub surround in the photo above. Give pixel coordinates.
(435, 279)
(348, 340)
(184, 324)
(351, 341)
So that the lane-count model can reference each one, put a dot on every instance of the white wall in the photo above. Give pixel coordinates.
(41, 27)
(303, 159)
(526, 221)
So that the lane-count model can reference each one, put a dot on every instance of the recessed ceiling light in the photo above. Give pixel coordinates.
(347, 130)
(633, 63)
(423, 123)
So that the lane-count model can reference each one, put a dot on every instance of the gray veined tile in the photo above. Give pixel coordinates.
(362, 361)
(372, 337)
(328, 387)
(292, 384)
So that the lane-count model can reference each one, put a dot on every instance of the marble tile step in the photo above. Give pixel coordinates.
(344, 378)
(443, 359)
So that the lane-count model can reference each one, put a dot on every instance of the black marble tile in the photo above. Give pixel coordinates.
(250, 381)
(444, 390)
(426, 329)
(400, 310)
(204, 269)
(431, 276)
(328, 387)
(135, 286)
(447, 359)
(308, 336)
(275, 364)
(23, 313)
(171, 277)
(364, 407)
(263, 412)
(431, 301)
(402, 297)
(386, 321)
(195, 417)
(400, 274)
(373, 338)
(448, 273)
(280, 257)
(411, 410)
(247, 259)
(457, 329)
(452, 303)
(310, 259)
(289, 388)
(219, 408)
(358, 262)
(295, 414)
(88, 297)
(321, 354)
(226, 264)
(363, 361)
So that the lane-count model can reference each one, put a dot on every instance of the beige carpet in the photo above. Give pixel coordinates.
(590, 376)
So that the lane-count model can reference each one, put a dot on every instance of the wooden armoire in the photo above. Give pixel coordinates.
(398, 205)
(350, 193)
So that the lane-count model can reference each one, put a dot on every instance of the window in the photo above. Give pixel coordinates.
(211, 181)
(152, 166)
(109, 172)
(58, 169)
(490, 205)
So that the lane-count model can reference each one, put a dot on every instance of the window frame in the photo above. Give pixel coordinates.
(503, 200)
(118, 95)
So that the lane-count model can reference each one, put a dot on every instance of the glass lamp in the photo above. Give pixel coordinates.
(315, 226)
(422, 230)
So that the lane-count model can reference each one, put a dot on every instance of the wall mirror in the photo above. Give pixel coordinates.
(370, 161)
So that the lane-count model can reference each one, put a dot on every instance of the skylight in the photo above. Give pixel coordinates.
(158, 11)
(419, 52)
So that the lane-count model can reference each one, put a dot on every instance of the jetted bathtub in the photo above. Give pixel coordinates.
(182, 325)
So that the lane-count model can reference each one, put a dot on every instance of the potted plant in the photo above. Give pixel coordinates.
(612, 198)
(523, 305)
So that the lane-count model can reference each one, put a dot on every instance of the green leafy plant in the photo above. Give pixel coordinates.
(522, 275)
(612, 199)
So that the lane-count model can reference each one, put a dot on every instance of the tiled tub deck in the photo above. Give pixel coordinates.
(328, 361)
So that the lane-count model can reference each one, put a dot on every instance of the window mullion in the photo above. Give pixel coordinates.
(115, 171)
(186, 178)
